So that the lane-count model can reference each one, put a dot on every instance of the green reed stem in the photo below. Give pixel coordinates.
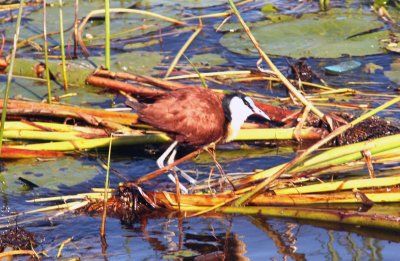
(10, 72)
(182, 50)
(46, 54)
(107, 39)
(197, 71)
(64, 66)
(106, 186)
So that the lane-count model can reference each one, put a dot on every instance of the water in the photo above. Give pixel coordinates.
(236, 237)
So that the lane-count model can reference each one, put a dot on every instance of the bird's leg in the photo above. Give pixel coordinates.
(186, 176)
(161, 159)
(160, 164)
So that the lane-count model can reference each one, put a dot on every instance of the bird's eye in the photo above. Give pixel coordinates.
(246, 103)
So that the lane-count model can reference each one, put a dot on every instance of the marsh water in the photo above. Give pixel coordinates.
(235, 237)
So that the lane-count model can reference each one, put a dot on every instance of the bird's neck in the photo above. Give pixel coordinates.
(233, 127)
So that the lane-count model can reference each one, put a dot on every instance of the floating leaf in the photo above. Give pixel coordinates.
(47, 174)
(134, 62)
(327, 35)
(342, 67)
(269, 8)
(394, 73)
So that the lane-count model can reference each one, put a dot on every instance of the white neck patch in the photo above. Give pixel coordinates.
(239, 113)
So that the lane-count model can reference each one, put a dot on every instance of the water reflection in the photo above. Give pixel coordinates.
(257, 238)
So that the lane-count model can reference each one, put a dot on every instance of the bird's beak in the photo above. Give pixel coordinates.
(261, 113)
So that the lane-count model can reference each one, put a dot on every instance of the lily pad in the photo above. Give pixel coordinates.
(122, 25)
(394, 73)
(136, 62)
(47, 174)
(328, 35)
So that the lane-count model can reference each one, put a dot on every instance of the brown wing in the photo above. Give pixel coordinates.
(190, 115)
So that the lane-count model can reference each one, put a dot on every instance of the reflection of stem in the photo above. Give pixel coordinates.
(369, 244)
(353, 248)
(276, 236)
(180, 227)
(331, 249)
(227, 236)
(379, 250)
(291, 237)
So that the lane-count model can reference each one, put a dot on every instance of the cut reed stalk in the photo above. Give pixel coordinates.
(340, 185)
(85, 144)
(261, 186)
(265, 57)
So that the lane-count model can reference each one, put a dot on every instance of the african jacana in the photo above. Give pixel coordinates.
(197, 117)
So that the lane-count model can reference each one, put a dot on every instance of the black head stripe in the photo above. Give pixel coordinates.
(247, 103)
(227, 99)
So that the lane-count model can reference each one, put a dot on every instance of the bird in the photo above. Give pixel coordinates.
(197, 117)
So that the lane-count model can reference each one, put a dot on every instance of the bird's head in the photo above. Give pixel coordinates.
(237, 108)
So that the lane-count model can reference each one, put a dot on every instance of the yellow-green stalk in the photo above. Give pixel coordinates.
(106, 186)
(107, 38)
(261, 186)
(46, 54)
(197, 71)
(64, 66)
(10, 72)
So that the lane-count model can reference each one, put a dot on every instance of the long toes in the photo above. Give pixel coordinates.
(186, 176)
(160, 163)
(184, 190)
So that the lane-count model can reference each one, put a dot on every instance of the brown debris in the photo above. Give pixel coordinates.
(17, 238)
(302, 71)
(371, 128)
(128, 204)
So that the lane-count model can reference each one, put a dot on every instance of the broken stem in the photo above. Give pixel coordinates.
(284, 80)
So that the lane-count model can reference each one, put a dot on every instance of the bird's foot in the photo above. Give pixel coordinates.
(184, 190)
(185, 176)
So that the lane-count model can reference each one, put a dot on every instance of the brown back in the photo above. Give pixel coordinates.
(191, 115)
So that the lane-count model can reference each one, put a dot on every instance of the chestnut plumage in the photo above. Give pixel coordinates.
(197, 117)
(193, 116)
